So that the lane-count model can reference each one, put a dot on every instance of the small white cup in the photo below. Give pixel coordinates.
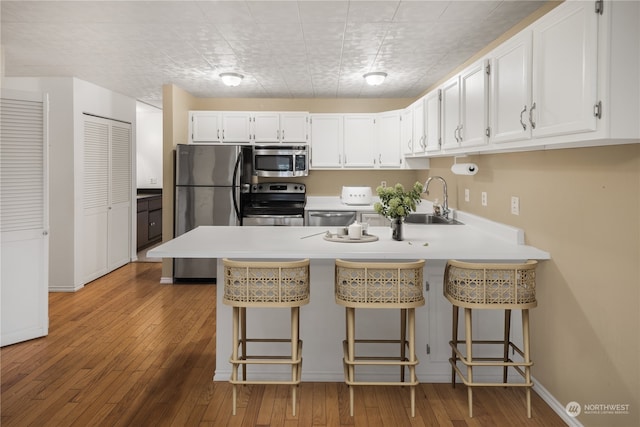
(355, 231)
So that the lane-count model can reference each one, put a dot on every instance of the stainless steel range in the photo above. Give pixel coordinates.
(274, 203)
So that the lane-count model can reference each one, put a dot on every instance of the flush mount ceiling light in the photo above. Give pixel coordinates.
(375, 78)
(231, 79)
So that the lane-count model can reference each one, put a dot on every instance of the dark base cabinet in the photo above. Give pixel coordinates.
(149, 221)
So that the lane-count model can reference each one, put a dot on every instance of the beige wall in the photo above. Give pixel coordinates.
(582, 206)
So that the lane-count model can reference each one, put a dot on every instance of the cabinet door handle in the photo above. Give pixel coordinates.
(218, 133)
(222, 134)
(524, 125)
(460, 133)
(409, 144)
(283, 134)
(533, 124)
(379, 158)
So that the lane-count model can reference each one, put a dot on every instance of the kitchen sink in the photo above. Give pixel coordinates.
(423, 218)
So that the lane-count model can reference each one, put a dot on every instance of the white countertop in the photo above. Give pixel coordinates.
(435, 242)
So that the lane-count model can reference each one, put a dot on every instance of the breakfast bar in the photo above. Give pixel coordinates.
(322, 320)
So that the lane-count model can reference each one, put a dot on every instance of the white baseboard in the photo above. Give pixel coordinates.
(557, 407)
(166, 280)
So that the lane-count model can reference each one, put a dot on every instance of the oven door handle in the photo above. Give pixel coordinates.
(272, 216)
(331, 214)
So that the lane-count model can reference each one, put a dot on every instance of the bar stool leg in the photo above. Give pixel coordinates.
(351, 326)
(454, 335)
(243, 329)
(527, 357)
(469, 342)
(403, 340)
(234, 356)
(507, 335)
(294, 354)
(412, 356)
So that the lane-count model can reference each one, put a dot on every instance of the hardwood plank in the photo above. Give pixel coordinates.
(126, 350)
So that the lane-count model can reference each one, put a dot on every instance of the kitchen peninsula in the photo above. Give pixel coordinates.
(322, 320)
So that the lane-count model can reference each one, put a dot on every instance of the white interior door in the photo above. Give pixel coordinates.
(107, 196)
(24, 241)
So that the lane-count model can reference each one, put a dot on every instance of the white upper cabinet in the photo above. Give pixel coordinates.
(465, 108)
(388, 131)
(565, 54)
(419, 137)
(511, 90)
(544, 80)
(294, 127)
(218, 126)
(450, 111)
(474, 105)
(326, 140)
(274, 127)
(569, 79)
(406, 131)
(243, 127)
(432, 121)
(236, 127)
(205, 126)
(266, 127)
(360, 140)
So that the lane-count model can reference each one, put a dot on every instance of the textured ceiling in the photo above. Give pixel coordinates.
(285, 49)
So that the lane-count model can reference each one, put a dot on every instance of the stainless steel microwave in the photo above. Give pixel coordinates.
(280, 161)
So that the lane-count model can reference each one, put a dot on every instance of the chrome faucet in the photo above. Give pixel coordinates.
(445, 206)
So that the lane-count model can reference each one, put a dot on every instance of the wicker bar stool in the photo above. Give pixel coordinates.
(507, 287)
(265, 284)
(380, 285)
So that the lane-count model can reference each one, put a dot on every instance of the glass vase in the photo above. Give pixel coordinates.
(396, 228)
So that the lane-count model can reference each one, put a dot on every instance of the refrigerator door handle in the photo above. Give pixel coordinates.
(235, 186)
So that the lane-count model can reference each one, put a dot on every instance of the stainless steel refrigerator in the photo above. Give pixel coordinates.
(208, 183)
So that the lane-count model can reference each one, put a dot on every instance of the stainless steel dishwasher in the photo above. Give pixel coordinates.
(331, 218)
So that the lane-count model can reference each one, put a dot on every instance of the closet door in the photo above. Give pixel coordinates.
(24, 214)
(119, 239)
(106, 197)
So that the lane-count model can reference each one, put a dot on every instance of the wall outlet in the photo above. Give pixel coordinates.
(466, 195)
(515, 205)
(383, 184)
(484, 198)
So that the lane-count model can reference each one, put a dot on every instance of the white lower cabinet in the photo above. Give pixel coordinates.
(374, 219)
(487, 325)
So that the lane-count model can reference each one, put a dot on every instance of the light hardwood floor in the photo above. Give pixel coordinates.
(126, 350)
